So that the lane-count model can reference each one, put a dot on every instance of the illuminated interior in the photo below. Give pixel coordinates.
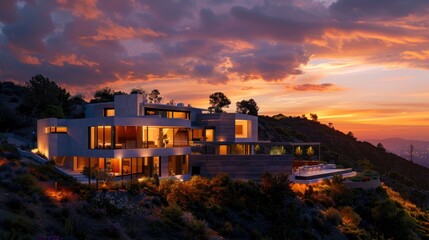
(137, 166)
(223, 150)
(178, 165)
(167, 113)
(109, 112)
(242, 128)
(134, 137)
(56, 129)
(209, 135)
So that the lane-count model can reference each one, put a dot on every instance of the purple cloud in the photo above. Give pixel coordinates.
(83, 43)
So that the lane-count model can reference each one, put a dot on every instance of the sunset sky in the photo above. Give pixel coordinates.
(361, 64)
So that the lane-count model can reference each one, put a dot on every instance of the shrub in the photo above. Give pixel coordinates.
(133, 187)
(19, 225)
(172, 213)
(89, 172)
(114, 203)
(15, 204)
(393, 221)
(333, 216)
(349, 217)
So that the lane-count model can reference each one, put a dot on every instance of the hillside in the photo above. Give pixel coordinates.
(219, 208)
(401, 147)
(336, 147)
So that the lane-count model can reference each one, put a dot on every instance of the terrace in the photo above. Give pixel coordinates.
(316, 173)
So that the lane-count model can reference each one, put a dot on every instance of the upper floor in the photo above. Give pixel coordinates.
(207, 127)
(129, 123)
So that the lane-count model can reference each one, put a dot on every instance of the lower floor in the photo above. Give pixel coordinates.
(129, 167)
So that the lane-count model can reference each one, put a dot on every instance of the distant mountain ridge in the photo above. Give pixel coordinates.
(401, 147)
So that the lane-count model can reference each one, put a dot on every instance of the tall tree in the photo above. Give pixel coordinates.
(105, 95)
(314, 117)
(76, 107)
(43, 92)
(217, 101)
(248, 107)
(154, 96)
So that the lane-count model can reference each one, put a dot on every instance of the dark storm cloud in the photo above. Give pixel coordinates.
(89, 42)
(243, 23)
(272, 62)
(8, 11)
(377, 9)
(32, 26)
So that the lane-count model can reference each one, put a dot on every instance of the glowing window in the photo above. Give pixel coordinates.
(57, 129)
(209, 135)
(109, 112)
(223, 150)
(242, 128)
(183, 115)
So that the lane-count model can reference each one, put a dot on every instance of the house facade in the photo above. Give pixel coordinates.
(130, 138)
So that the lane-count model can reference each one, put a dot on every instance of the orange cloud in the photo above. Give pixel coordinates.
(113, 31)
(238, 45)
(315, 87)
(28, 59)
(72, 59)
(82, 8)
(418, 55)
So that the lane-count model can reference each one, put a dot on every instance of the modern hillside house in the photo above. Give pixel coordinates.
(130, 138)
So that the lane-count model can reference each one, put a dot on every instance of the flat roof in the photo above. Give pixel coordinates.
(322, 173)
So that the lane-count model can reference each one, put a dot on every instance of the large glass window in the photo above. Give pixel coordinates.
(197, 135)
(242, 128)
(100, 137)
(209, 135)
(154, 140)
(178, 165)
(135, 137)
(151, 166)
(167, 113)
(107, 137)
(120, 137)
(223, 149)
(240, 149)
(109, 112)
(56, 129)
(180, 137)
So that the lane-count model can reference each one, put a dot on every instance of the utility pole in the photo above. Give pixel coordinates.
(411, 152)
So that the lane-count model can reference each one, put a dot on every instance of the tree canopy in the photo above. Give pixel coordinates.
(154, 96)
(105, 95)
(314, 117)
(247, 107)
(217, 101)
(41, 93)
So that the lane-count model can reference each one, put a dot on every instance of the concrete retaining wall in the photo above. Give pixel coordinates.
(240, 166)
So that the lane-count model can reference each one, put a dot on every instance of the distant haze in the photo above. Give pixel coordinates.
(401, 147)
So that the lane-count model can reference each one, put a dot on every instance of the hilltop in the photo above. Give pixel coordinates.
(408, 178)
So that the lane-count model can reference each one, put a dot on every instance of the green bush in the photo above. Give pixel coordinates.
(333, 216)
(393, 221)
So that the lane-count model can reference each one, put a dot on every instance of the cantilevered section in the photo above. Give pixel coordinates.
(316, 173)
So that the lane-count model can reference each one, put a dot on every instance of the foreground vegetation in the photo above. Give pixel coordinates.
(31, 207)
